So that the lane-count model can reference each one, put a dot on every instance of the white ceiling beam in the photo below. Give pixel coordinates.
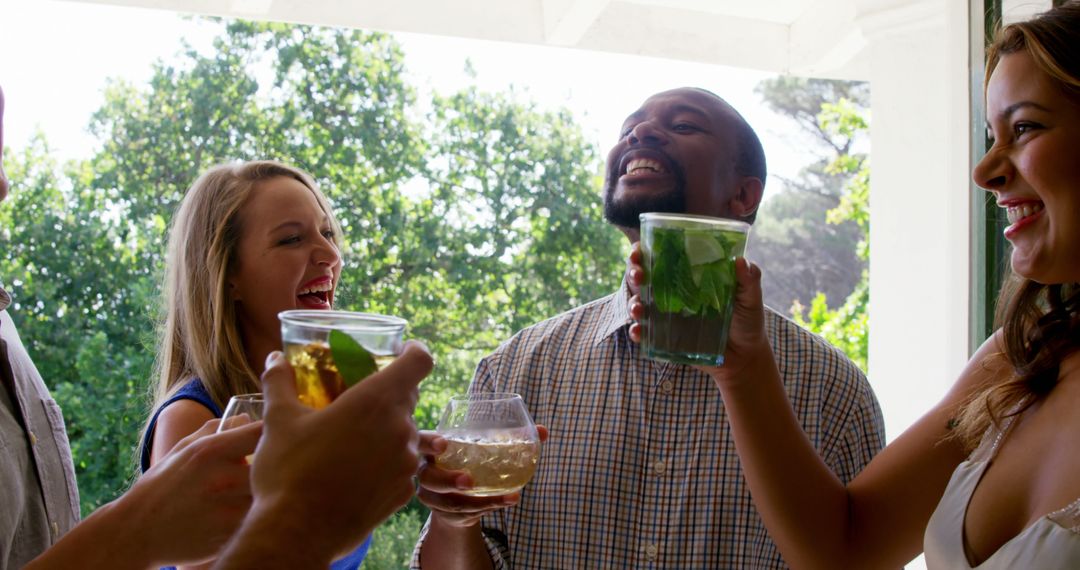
(826, 42)
(689, 35)
(673, 29)
(499, 20)
(881, 18)
(252, 7)
(566, 21)
(775, 11)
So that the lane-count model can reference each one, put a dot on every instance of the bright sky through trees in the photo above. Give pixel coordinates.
(55, 58)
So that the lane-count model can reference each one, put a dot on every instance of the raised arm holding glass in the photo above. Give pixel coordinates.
(988, 477)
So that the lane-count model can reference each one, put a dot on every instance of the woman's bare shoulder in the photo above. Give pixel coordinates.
(177, 421)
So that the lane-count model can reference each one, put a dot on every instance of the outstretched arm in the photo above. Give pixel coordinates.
(179, 511)
(176, 422)
(878, 519)
(454, 539)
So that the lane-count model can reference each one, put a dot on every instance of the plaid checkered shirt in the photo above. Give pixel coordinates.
(640, 470)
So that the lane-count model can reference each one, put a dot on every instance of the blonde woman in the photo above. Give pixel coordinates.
(250, 240)
(990, 477)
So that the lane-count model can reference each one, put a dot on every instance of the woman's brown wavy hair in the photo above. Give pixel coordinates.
(1040, 322)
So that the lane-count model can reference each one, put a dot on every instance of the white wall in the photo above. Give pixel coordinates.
(918, 204)
(1017, 10)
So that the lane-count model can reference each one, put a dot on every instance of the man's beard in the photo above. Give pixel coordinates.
(626, 213)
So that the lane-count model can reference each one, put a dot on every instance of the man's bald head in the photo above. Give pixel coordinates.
(684, 150)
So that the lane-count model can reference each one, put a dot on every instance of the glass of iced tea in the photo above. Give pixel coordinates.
(332, 350)
(491, 437)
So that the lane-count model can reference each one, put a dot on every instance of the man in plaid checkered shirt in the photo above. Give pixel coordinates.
(639, 469)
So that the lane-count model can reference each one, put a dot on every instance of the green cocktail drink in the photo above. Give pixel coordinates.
(689, 285)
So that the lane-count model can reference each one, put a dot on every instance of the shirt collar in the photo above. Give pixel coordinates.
(615, 314)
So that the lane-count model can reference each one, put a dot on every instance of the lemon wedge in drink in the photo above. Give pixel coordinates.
(702, 248)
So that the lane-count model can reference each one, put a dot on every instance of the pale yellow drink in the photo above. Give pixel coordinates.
(497, 466)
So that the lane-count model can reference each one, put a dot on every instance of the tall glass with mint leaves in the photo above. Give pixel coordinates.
(689, 285)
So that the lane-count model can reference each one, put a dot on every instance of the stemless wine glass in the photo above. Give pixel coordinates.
(242, 409)
(492, 438)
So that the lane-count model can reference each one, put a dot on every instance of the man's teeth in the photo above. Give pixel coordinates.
(1017, 213)
(644, 164)
(323, 288)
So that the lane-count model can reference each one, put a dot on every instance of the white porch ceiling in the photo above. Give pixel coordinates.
(824, 38)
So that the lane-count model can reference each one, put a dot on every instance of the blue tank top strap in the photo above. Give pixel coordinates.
(352, 560)
(193, 390)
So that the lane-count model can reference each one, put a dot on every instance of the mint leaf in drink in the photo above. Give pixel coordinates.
(670, 271)
(353, 361)
(692, 270)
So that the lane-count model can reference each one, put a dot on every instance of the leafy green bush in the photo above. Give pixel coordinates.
(393, 543)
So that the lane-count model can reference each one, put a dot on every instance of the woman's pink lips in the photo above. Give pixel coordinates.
(1021, 224)
(316, 281)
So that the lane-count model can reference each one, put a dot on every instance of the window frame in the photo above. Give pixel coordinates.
(989, 249)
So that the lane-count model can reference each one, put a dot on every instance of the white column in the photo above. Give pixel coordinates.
(918, 202)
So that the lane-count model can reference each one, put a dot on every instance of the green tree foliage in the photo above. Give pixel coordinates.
(845, 119)
(514, 201)
(393, 542)
(80, 301)
(471, 215)
(846, 327)
(801, 255)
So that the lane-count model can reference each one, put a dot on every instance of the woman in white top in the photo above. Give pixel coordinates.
(990, 477)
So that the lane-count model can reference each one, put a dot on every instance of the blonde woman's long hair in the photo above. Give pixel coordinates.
(199, 336)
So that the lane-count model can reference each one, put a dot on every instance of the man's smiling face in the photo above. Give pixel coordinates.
(675, 154)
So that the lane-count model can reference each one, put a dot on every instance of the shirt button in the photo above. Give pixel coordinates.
(55, 529)
(651, 551)
(659, 467)
(33, 439)
(667, 386)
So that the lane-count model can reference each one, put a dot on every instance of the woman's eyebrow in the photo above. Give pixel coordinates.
(286, 225)
(1009, 111)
